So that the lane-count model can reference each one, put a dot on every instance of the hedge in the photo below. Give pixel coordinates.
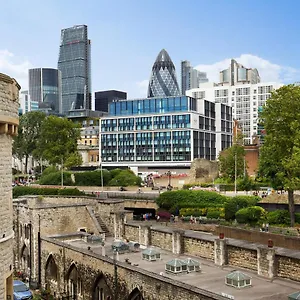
(54, 178)
(27, 190)
(92, 178)
(172, 200)
(250, 215)
(233, 204)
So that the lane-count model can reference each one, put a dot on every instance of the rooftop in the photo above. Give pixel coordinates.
(211, 277)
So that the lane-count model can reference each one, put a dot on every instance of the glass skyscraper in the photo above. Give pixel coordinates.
(45, 88)
(163, 82)
(74, 62)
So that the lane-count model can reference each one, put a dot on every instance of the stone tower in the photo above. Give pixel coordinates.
(9, 120)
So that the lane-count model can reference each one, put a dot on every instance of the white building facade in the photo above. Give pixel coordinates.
(245, 99)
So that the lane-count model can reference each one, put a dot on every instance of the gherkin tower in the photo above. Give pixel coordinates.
(163, 82)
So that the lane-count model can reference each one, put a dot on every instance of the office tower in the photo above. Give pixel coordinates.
(238, 74)
(26, 104)
(103, 98)
(45, 89)
(74, 62)
(190, 77)
(163, 82)
(164, 132)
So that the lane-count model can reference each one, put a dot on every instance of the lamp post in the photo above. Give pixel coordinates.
(62, 172)
(115, 275)
(235, 171)
(169, 175)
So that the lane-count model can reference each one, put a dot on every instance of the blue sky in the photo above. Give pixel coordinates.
(127, 36)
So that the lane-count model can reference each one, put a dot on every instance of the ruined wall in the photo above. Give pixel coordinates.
(9, 121)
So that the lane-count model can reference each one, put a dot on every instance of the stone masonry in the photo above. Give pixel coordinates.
(9, 121)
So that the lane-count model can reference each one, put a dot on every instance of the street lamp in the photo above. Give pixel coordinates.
(235, 171)
(115, 275)
(169, 175)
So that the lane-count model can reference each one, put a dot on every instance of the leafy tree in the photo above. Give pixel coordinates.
(58, 141)
(125, 178)
(251, 215)
(74, 159)
(280, 154)
(26, 141)
(227, 160)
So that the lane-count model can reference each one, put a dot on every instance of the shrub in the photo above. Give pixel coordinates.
(233, 204)
(49, 170)
(196, 212)
(55, 178)
(70, 192)
(250, 215)
(215, 213)
(279, 217)
(115, 172)
(126, 178)
(92, 178)
(189, 199)
(19, 191)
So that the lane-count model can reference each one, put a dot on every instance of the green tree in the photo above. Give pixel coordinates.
(280, 154)
(74, 159)
(229, 159)
(58, 141)
(26, 141)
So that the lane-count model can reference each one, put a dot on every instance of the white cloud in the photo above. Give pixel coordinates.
(16, 67)
(268, 71)
(142, 88)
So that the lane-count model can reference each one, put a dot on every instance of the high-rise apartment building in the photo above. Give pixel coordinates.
(164, 132)
(74, 62)
(245, 99)
(103, 98)
(163, 81)
(190, 77)
(238, 74)
(45, 89)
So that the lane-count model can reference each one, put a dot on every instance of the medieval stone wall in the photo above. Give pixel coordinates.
(90, 267)
(242, 257)
(9, 120)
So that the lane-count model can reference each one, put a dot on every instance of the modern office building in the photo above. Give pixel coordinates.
(164, 132)
(26, 104)
(245, 99)
(190, 77)
(104, 98)
(74, 62)
(238, 74)
(163, 81)
(45, 89)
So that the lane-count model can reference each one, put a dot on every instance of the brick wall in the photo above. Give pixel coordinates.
(161, 239)
(132, 233)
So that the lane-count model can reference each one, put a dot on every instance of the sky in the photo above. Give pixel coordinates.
(127, 35)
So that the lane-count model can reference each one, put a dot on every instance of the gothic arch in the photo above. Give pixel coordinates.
(101, 290)
(24, 258)
(135, 295)
(74, 284)
(51, 269)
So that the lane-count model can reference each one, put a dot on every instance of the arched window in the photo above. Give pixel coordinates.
(101, 291)
(51, 269)
(136, 295)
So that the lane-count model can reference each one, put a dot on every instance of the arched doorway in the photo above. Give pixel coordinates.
(25, 259)
(136, 295)
(101, 290)
(51, 270)
(74, 285)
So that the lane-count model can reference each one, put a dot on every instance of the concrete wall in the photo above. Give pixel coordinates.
(9, 121)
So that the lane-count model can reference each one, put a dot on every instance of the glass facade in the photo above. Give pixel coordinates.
(163, 81)
(152, 106)
(75, 65)
(45, 88)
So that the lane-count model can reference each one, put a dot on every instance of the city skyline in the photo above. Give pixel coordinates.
(123, 51)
